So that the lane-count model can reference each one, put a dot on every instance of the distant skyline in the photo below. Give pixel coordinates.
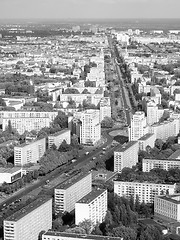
(98, 9)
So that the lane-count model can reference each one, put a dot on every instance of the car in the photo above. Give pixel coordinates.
(86, 153)
(93, 158)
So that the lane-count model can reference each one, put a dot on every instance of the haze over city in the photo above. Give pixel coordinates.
(55, 9)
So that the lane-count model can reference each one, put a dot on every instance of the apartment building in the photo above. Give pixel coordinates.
(166, 164)
(27, 121)
(90, 130)
(51, 235)
(138, 126)
(10, 175)
(93, 206)
(58, 137)
(156, 93)
(28, 222)
(146, 191)
(166, 129)
(153, 113)
(126, 156)
(105, 108)
(71, 191)
(146, 140)
(167, 207)
(29, 152)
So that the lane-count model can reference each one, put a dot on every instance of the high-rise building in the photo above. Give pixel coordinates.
(152, 113)
(126, 156)
(146, 191)
(27, 121)
(138, 126)
(28, 222)
(29, 152)
(93, 207)
(71, 191)
(58, 137)
(90, 130)
(105, 108)
(167, 207)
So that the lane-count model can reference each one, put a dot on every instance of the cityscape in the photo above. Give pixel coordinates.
(89, 120)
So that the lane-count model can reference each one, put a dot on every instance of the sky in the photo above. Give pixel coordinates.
(57, 9)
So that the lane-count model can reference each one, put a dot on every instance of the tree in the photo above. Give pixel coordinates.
(159, 144)
(107, 122)
(164, 103)
(61, 120)
(137, 204)
(126, 233)
(64, 147)
(53, 147)
(87, 225)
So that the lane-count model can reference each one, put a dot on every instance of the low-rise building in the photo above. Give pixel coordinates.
(28, 222)
(93, 207)
(71, 191)
(29, 152)
(126, 156)
(146, 191)
(146, 140)
(58, 137)
(10, 175)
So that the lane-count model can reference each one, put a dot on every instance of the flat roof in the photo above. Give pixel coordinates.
(147, 182)
(91, 196)
(170, 198)
(72, 181)
(74, 235)
(9, 170)
(146, 136)
(59, 133)
(29, 143)
(164, 159)
(126, 146)
(27, 209)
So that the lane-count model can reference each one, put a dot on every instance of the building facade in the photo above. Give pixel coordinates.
(90, 129)
(166, 164)
(138, 126)
(10, 175)
(29, 152)
(145, 191)
(28, 222)
(166, 129)
(27, 121)
(105, 108)
(71, 191)
(58, 137)
(93, 206)
(126, 156)
(167, 207)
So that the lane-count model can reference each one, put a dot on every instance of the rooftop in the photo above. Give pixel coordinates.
(79, 236)
(27, 209)
(9, 170)
(59, 133)
(29, 143)
(171, 198)
(175, 155)
(145, 182)
(146, 136)
(165, 159)
(91, 196)
(126, 146)
(72, 181)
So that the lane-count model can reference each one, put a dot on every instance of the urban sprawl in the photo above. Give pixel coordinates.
(89, 138)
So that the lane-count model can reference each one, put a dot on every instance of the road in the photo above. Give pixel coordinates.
(51, 176)
(127, 105)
